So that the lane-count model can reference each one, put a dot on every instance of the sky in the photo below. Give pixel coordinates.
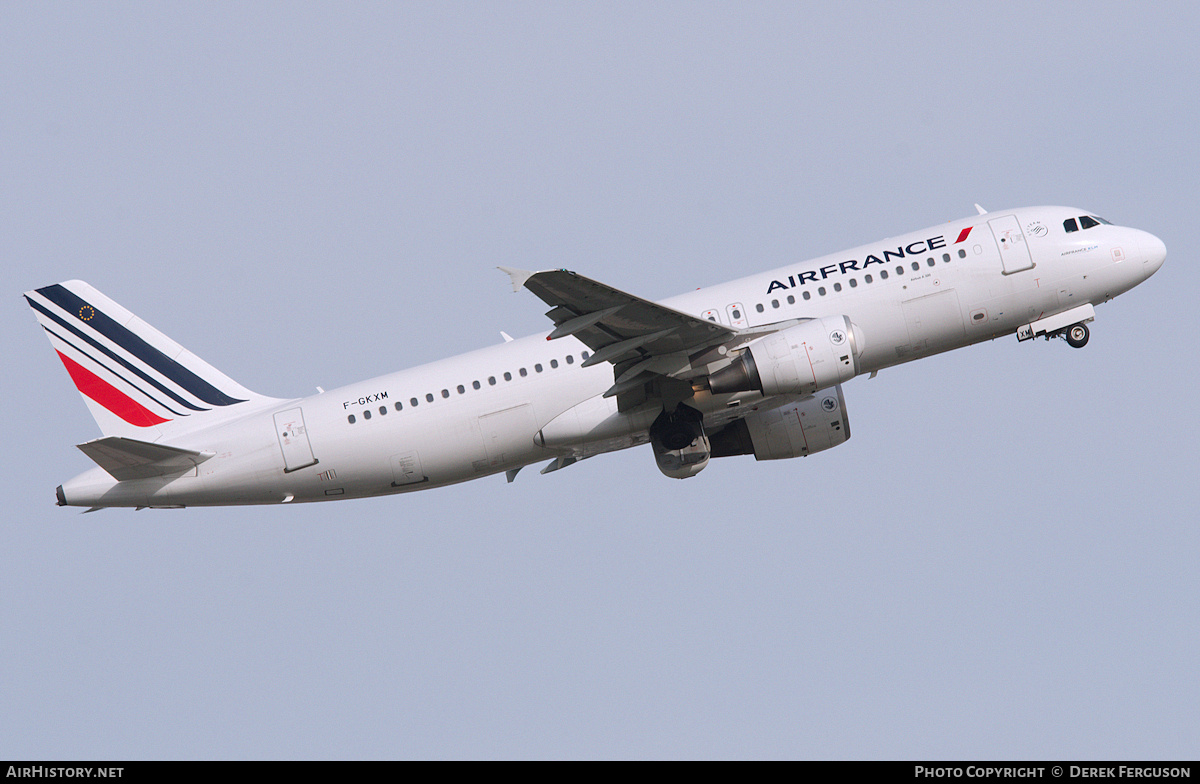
(1000, 563)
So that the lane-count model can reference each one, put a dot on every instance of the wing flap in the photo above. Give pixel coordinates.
(128, 458)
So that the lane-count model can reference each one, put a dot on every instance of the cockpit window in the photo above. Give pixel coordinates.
(1085, 222)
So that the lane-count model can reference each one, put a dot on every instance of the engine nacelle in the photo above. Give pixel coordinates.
(680, 445)
(794, 430)
(800, 360)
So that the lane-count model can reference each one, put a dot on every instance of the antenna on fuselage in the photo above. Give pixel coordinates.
(981, 210)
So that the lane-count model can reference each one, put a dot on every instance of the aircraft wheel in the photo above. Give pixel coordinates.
(1077, 336)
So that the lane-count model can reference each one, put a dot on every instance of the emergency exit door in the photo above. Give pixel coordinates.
(293, 440)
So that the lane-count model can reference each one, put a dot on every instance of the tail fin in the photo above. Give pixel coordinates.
(136, 381)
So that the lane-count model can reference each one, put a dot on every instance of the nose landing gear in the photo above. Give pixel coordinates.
(1076, 335)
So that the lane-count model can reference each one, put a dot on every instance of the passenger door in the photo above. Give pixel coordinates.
(1014, 251)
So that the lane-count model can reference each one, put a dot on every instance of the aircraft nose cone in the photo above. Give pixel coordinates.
(1154, 253)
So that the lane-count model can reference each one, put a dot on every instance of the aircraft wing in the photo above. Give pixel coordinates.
(643, 340)
(128, 458)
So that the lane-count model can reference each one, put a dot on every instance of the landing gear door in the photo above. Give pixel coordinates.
(1014, 251)
(293, 440)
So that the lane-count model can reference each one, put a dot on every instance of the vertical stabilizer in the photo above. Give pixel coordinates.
(137, 382)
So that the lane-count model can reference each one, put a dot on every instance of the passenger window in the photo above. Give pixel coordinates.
(807, 295)
(759, 307)
(962, 254)
(523, 372)
(1086, 223)
(445, 393)
(428, 397)
(853, 283)
(774, 303)
(883, 274)
(821, 291)
(491, 381)
(554, 363)
(585, 355)
(899, 270)
(382, 410)
(570, 359)
(351, 419)
(1069, 225)
(475, 385)
(462, 390)
(837, 286)
(946, 256)
(507, 376)
(791, 300)
(413, 402)
(737, 314)
(869, 279)
(930, 261)
(916, 267)
(399, 406)
(367, 414)
(538, 367)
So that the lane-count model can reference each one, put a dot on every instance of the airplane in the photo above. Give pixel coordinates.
(751, 367)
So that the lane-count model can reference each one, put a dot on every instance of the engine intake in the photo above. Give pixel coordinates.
(680, 445)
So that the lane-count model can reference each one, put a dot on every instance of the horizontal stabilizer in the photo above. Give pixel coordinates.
(128, 458)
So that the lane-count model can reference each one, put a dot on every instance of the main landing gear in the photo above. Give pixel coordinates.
(1076, 335)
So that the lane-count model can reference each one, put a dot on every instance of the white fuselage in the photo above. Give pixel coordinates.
(529, 400)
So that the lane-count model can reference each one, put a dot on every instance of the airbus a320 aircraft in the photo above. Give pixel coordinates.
(755, 366)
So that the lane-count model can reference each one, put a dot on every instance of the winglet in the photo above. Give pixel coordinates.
(981, 210)
(518, 276)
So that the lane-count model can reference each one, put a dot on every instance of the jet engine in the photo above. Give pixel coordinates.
(794, 430)
(681, 448)
(800, 360)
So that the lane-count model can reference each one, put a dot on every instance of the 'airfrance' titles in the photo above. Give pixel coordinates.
(854, 265)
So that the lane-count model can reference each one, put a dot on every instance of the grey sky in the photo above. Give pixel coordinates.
(1000, 563)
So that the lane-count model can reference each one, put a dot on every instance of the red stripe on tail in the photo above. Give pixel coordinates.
(109, 396)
